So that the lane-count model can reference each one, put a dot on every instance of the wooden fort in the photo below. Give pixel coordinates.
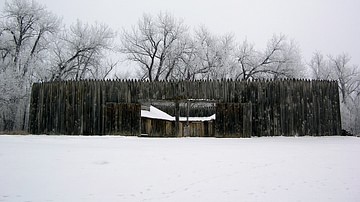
(242, 109)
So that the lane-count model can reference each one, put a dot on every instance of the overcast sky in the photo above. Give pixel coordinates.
(328, 26)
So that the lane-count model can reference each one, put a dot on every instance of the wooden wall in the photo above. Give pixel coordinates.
(244, 109)
(165, 128)
(158, 128)
(282, 108)
(80, 108)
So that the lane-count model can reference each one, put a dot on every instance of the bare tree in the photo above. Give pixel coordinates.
(281, 58)
(25, 32)
(337, 68)
(207, 56)
(80, 51)
(247, 65)
(175, 66)
(153, 43)
(214, 54)
(186, 65)
(346, 75)
(26, 27)
(286, 63)
(319, 67)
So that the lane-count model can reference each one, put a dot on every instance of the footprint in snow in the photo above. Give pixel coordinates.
(101, 162)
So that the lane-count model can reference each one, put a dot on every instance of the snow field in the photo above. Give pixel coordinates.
(73, 168)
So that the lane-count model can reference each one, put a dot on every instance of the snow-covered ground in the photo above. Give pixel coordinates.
(65, 168)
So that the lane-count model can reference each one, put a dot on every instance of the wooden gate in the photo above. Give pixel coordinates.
(234, 120)
(122, 119)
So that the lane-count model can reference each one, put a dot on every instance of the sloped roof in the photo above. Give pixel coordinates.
(155, 113)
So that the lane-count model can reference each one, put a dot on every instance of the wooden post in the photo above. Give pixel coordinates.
(177, 119)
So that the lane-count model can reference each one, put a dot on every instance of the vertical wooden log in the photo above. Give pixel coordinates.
(33, 119)
(219, 124)
(177, 119)
(103, 104)
(247, 120)
(236, 120)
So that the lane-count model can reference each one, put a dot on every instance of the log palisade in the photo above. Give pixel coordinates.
(243, 108)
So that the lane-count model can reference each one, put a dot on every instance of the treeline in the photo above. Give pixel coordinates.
(35, 46)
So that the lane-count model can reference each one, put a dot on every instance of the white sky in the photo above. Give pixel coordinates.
(329, 26)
